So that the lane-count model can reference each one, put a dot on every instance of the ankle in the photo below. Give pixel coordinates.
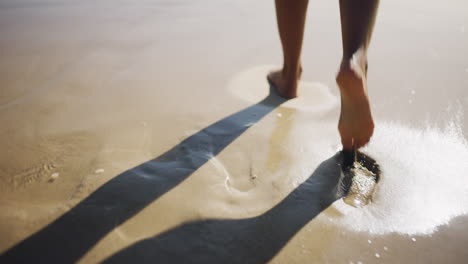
(356, 61)
(291, 73)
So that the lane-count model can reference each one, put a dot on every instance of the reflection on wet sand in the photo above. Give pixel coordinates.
(251, 240)
(280, 135)
(82, 91)
(69, 237)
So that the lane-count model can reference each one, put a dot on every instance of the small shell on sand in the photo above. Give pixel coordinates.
(54, 176)
(99, 171)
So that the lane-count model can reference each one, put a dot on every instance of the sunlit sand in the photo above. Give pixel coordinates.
(144, 131)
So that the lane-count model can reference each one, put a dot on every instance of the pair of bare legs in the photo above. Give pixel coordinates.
(356, 125)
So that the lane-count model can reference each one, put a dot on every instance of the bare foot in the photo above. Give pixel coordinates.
(284, 83)
(356, 125)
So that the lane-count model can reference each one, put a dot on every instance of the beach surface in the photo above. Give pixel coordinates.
(146, 132)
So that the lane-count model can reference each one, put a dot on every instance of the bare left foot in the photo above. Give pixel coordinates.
(285, 84)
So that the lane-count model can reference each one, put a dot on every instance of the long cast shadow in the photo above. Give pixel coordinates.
(70, 236)
(252, 240)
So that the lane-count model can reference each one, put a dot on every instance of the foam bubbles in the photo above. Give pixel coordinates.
(423, 183)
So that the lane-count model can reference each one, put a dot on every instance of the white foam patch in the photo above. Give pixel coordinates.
(424, 181)
(251, 85)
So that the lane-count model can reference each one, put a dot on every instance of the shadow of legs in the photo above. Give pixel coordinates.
(70, 236)
(251, 240)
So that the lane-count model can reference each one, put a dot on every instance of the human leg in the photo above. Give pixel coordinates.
(291, 15)
(356, 124)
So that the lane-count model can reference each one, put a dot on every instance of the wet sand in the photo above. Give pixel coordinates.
(135, 132)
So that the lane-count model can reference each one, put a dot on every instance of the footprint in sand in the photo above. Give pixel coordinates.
(424, 184)
(360, 174)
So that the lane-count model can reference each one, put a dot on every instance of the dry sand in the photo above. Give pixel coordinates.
(139, 131)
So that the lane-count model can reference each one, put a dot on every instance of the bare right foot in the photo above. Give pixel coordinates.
(284, 83)
(356, 125)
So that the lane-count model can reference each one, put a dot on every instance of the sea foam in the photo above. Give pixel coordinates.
(424, 181)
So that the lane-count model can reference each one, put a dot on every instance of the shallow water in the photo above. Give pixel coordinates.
(422, 184)
(364, 174)
(91, 90)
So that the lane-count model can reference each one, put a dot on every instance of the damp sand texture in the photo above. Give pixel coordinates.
(140, 128)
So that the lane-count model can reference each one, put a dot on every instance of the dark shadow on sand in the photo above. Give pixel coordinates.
(69, 237)
(252, 240)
